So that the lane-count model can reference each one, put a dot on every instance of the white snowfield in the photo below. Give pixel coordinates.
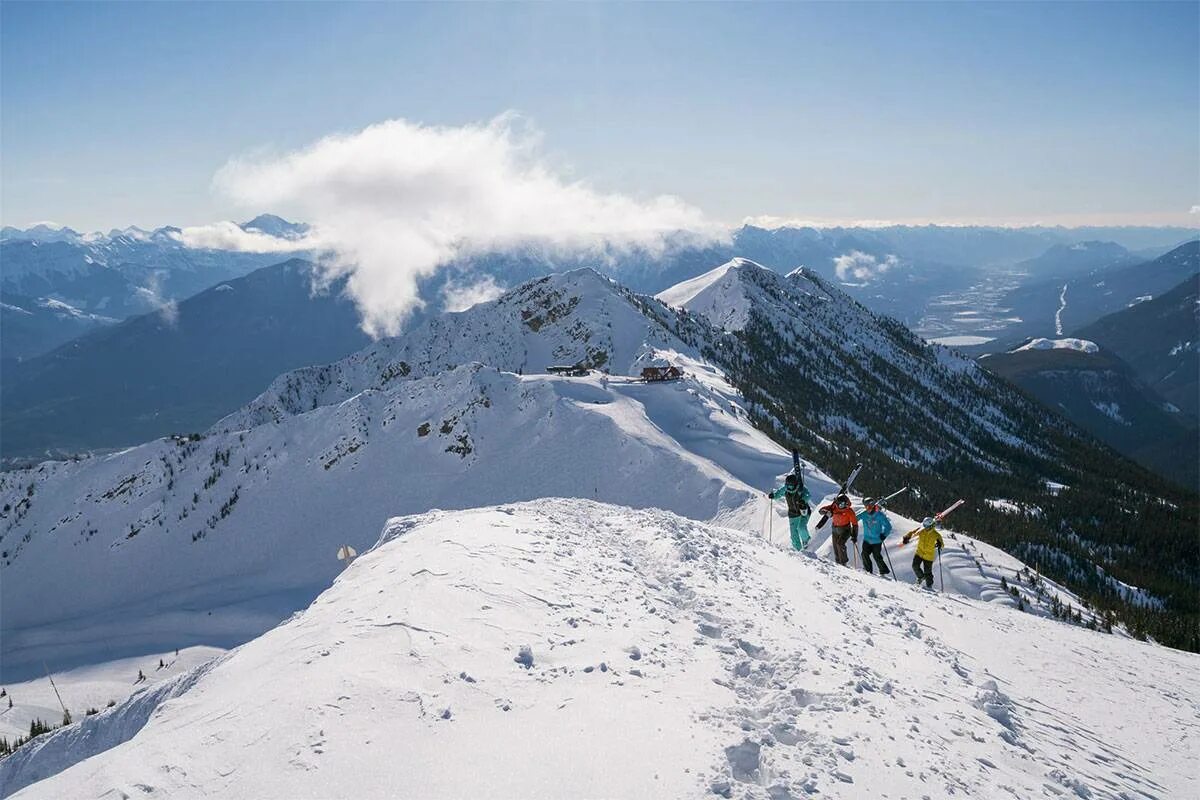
(297, 490)
(1082, 345)
(566, 648)
(92, 687)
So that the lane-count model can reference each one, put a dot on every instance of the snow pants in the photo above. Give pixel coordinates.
(876, 550)
(920, 564)
(799, 531)
(840, 534)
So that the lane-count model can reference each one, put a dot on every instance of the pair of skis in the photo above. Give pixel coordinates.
(799, 473)
(953, 506)
(845, 487)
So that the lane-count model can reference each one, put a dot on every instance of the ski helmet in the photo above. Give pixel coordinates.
(927, 522)
(792, 481)
(868, 502)
(842, 500)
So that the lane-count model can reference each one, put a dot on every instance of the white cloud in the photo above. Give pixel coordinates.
(860, 266)
(397, 200)
(151, 294)
(230, 236)
(460, 297)
(1194, 210)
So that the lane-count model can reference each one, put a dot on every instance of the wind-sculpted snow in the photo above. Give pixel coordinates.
(565, 648)
(134, 550)
(49, 755)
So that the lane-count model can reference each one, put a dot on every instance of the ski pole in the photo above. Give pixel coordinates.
(883, 546)
(770, 520)
(854, 544)
(941, 572)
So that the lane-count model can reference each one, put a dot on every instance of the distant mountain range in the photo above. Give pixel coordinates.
(162, 373)
(1137, 385)
(29, 326)
(107, 277)
(896, 269)
(1077, 295)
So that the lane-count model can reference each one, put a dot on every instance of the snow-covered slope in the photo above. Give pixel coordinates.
(851, 369)
(217, 539)
(1081, 345)
(565, 648)
(577, 317)
(718, 295)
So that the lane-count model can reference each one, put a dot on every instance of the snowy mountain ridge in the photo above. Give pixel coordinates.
(577, 317)
(253, 516)
(422, 406)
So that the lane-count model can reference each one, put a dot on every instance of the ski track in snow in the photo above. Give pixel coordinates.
(698, 660)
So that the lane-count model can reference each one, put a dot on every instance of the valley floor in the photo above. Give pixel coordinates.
(568, 648)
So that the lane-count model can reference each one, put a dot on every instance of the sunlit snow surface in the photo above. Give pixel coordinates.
(564, 648)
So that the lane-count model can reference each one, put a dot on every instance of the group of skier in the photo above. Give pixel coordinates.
(871, 522)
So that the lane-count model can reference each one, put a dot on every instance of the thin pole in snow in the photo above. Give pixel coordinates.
(55, 688)
(770, 521)
(883, 546)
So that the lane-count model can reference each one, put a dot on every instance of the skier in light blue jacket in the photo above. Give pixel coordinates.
(875, 528)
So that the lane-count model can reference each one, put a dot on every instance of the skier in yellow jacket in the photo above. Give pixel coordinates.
(929, 542)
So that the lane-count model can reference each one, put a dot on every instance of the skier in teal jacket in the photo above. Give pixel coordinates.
(796, 494)
(875, 528)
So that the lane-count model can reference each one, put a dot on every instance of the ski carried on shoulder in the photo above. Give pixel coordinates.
(953, 506)
(942, 515)
(845, 487)
(798, 471)
(884, 501)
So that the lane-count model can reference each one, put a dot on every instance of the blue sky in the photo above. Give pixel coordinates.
(116, 114)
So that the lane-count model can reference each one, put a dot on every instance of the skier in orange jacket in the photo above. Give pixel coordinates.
(845, 526)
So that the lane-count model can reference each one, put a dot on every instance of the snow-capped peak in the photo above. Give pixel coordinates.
(275, 226)
(1081, 345)
(41, 232)
(718, 295)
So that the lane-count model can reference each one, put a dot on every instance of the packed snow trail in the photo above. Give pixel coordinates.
(622, 653)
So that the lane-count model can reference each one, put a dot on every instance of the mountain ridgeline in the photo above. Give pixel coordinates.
(796, 356)
(1102, 394)
(848, 385)
(1160, 340)
(92, 280)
